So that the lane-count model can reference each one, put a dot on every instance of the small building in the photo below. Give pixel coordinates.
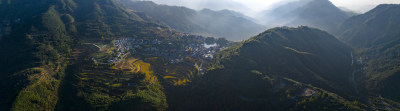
(309, 92)
(208, 56)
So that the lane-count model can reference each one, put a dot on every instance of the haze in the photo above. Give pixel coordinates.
(251, 7)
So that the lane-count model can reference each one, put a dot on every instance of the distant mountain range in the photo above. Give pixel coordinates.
(225, 23)
(200, 4)
(320, 14)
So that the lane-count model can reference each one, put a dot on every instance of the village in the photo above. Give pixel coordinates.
(174, 52)
(174, 49)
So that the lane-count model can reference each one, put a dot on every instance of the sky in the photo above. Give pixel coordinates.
(354, 5)
(362, 5)
(250, 7)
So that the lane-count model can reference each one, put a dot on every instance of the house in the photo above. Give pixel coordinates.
(309, 92)
(137, 46)
(208, 56)
(140, 41)
(147, 49)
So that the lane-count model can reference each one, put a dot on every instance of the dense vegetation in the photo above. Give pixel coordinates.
(33, 65)
(35, 54)
(375, 35)
(274, 68)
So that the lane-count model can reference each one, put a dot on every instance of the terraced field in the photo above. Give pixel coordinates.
(178, 74)
(125, 75)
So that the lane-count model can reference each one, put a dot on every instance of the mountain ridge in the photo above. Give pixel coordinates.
(232, 25)
(375, 37)
(320, 14)
(256, 73)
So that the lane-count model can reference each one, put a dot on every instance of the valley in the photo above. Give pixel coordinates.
(122, 55)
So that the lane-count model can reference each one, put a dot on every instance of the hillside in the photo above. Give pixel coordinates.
(320, 14)
(375, 35)
(228, 24)
(93, 55)
(31, 63)
(38, 41)
(274, 69)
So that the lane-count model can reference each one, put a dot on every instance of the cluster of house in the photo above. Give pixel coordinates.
(202, 50)
(308, 92)
(131, 44)
(174, 52)
(126, 46)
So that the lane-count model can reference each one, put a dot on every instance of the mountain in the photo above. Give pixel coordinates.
(20, 54)
(321, 14)
(348, 12)
(100, 55)
(38, 41)
(281, 69)
(225, 23)
(375, 35)
(210, 4)
(179, 18)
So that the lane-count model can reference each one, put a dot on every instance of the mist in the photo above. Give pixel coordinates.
(209, 4)
(322, 14)
(253, 7)
(362, 6)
